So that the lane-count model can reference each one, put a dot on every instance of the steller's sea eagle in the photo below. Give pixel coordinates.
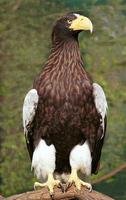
(64, 115)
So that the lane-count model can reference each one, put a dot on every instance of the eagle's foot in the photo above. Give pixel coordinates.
(77, 181)
(50, 184)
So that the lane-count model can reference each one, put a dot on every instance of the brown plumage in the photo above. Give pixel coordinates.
(66, 114)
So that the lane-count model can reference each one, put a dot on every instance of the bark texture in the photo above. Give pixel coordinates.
(71, 194)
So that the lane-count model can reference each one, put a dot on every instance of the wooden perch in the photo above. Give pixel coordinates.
(109, 175)
(71, 194)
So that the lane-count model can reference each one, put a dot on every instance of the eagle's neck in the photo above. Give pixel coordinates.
(65, 56)
(64, 68)
(63, 73)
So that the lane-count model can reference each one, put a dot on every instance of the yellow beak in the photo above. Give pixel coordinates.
(81, 23)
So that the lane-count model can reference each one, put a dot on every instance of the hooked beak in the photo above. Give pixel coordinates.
(81, 23)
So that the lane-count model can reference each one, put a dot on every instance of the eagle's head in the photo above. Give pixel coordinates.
(70, 25)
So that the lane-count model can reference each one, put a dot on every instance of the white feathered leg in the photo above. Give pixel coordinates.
(80, 160)
(43, 163)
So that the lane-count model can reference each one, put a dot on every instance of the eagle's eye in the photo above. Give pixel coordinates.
(69, 21)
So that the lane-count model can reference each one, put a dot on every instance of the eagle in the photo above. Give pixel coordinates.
(64, 114)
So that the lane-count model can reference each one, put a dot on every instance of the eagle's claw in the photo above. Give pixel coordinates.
(68, 185)
(77, 181)
(62, 187)
(50, 184)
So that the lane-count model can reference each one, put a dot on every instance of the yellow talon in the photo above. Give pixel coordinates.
(78, 182)
(51, 182)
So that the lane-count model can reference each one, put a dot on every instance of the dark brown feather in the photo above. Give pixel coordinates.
(97, 149)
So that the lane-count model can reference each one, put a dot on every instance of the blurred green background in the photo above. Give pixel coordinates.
(25, 42)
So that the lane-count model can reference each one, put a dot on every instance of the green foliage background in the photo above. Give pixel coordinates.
(25, 29)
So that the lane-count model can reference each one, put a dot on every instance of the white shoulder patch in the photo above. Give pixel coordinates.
(100, 101)
(29, 108)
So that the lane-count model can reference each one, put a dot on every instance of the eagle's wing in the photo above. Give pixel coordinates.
(101, 106)
(29, 110)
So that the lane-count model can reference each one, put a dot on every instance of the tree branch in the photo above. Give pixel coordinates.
(109, 175)
(71, 194)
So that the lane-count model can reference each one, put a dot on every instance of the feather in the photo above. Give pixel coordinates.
(29, 110)
(101, 106)
(100, 102)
